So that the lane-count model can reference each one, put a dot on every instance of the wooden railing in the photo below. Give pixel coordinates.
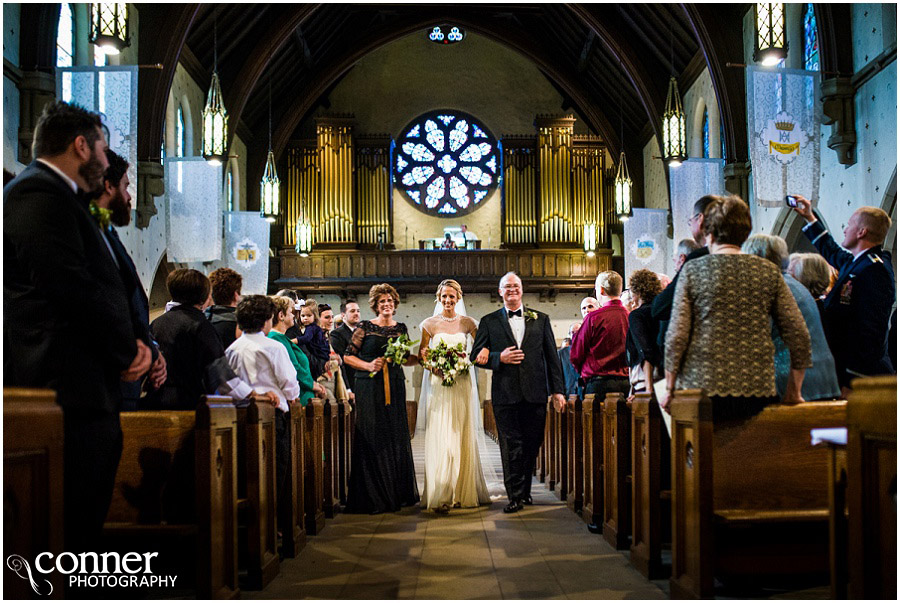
(412, 271)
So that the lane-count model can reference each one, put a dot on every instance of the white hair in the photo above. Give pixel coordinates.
(508, 275)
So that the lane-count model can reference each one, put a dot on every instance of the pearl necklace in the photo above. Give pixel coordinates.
(445, 319)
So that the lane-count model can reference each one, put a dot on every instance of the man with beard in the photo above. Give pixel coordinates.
(67, 326)
(116, 199)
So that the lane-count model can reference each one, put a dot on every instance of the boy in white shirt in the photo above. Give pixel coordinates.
(264, 364)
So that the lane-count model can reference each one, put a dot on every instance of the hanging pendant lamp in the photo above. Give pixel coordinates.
(303, 233)
(623, 190)
(215, 118)
(269, 185)
(771, 47)
(109, 26)
(674, 144)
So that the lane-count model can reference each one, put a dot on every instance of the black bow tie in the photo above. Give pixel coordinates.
(511, 313)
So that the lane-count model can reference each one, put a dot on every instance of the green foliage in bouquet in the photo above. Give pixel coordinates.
(451, 361)
(398, 350)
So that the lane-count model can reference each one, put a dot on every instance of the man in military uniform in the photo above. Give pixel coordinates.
(858, 307)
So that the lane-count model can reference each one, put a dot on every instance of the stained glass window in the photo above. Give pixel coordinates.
(446, 34)
(810, 40)
(705, 132)
(65, 46)
(446, 163)
(179, 133)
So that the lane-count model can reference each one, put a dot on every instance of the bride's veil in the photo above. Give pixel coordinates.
(475, 413)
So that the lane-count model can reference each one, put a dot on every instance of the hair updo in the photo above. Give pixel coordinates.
(449, 282)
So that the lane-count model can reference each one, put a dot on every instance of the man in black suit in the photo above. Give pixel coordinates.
(67, 325)
(523, 356)
(116, 199)
(340, 337)
(858, 308)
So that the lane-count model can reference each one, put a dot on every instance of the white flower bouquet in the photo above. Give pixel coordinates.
(448, 362)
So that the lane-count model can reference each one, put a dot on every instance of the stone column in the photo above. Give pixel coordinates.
(838, 112)
(151, 183)
(737, 179)
(36, 90)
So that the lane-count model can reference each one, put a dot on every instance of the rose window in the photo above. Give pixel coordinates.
(446, 163)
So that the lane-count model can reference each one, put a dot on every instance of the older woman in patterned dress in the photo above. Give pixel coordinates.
(719, 338)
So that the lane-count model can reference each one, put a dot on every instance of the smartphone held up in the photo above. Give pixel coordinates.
(791, 201)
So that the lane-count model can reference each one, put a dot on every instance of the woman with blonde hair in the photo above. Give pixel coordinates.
(451, 415)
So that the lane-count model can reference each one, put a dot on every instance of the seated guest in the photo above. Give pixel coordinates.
(570, 375)
(226, 293)
(820, 381)
(719, 337)
(283, 320)
(643, 353)
(196, 362)
(814, 273)
(858, 309)
(598, 348)
(311, 338)
(448, 242)
(265, 365)
(588, 304)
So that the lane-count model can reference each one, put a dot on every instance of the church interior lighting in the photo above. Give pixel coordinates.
(215, 118)
(622, 190)
(771, 46)
(109, 26)
(269, 185)
(674, 142)
(590, 238)
(304, 234)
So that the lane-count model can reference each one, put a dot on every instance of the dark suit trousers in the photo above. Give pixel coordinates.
(521, 430)
(92, 451)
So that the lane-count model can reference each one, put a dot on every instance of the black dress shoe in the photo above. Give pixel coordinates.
(594, 528)
(527, 501)
(514, 506)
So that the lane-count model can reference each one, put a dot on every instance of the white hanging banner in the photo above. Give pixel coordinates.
(113, 93)
(246, 249)
(195, 204)
(783, 120)
(688, 182)
(645, 244)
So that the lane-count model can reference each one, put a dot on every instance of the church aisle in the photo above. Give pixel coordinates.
(543, 552)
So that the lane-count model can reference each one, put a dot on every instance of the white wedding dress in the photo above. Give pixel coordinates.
(453, 473)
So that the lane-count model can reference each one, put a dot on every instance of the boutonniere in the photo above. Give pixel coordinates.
(530, 315)
(101, 215)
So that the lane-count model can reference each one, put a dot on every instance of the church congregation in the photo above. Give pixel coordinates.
(692, 363)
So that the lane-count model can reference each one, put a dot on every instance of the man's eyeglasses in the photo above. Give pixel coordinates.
(512, 287)
(690, 220)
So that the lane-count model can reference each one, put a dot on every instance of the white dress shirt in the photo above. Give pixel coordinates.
(264, 364)
(517, 324)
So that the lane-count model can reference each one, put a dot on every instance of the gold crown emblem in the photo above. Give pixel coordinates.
(784, 125)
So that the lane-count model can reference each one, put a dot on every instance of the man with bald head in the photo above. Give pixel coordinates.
(588, 305)
(858, 308)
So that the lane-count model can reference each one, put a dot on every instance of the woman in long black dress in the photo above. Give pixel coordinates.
(382, 476)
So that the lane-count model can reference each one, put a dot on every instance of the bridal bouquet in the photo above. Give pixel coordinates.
(451, 361)
(398, 350)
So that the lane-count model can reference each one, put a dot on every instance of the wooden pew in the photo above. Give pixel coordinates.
(258, 540)
(550, 477)
(749, 497)
(412, 409)
(561, 450)
(872, 489)
(32, 486)
(592, 447)
(345, 439)
(575, 454)
(490, 423)
(330, 463)
(542, 467)
(616, 471)
(291, 509)
(176, 487)
(313, 486)
(651, 494)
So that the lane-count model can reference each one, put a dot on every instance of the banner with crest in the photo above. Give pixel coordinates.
(645, 244)
(783, 121)
(246, 249)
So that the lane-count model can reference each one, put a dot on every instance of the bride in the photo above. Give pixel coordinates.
(452, 415)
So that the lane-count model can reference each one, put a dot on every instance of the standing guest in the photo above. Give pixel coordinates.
(719, 337)
(662, 304)
(340, 338)
(627, 300)
(643, 353)
(226, 293)
(311, 338)
(66, 323)
(196, 359)
(570, 375)
(329, 379)
(382, 476)
(282, 321)
(813, 272)
(265, 365)
(858, 308)
(820, 381)
(598, 349)
(522, 353)
(448, 242)
(588, 305)
(467, 236)
(116, 199)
